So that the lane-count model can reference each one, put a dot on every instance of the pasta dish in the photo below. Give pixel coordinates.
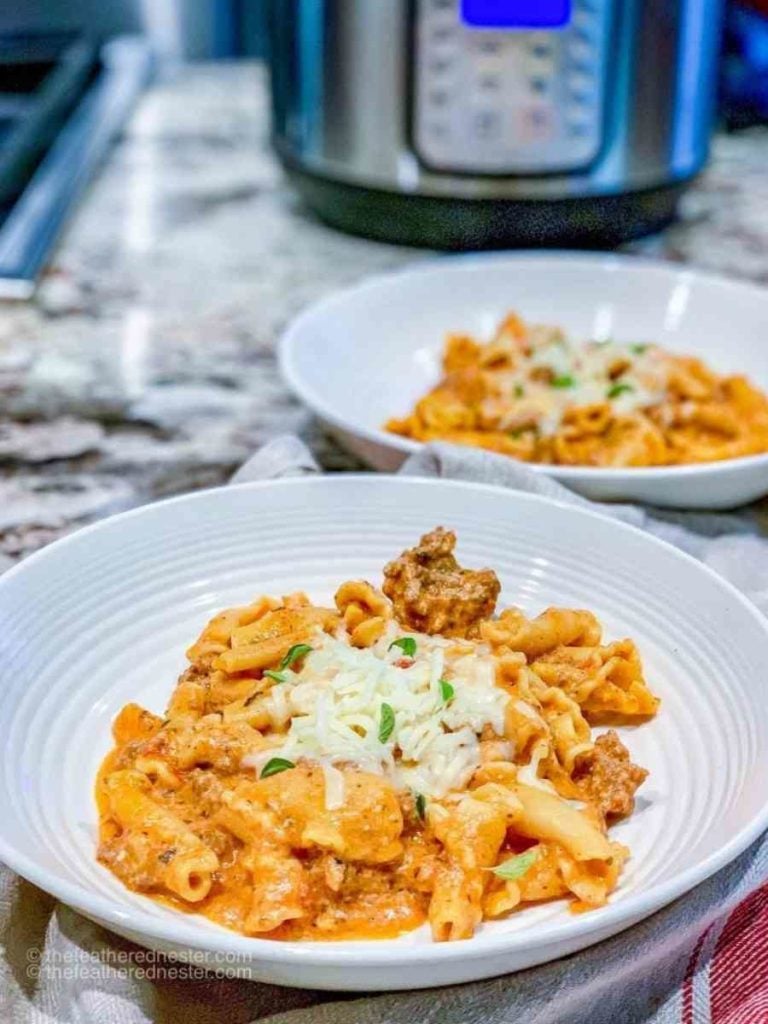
(539, 396)
(408, 755)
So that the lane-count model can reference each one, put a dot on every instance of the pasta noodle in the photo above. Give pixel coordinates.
(353, 772)
(532, 393)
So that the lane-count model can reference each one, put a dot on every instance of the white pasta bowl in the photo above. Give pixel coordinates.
(103, 617)
(368, 353)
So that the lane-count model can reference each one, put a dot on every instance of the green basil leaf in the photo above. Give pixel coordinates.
(387, 722)
(275, 766)
(296, 652)
(638, 349)
(519, 390)
(278, 677)
(421, 806)
(515, 867)
(619, 389)
(406, 644)
(565, 381)
(447, 692)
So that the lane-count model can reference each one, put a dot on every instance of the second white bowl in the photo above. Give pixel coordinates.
(368, 353)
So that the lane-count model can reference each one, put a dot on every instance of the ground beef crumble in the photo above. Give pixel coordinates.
(432, 593)
(607, 777)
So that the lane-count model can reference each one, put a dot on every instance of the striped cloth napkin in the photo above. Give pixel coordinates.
(701, 960)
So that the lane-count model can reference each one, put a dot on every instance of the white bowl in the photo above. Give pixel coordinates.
(103, 617)
(368, 353)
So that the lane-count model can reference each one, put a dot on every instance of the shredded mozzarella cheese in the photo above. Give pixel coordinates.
(334, 707)
(629, 377)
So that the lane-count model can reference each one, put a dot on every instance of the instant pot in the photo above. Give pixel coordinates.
(474, 123)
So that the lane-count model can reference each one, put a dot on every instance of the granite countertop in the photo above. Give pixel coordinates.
(145, 366)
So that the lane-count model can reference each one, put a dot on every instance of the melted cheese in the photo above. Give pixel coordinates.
(333, 712)
(528, 774)
(581, 373)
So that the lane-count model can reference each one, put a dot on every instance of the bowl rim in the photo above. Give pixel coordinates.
(185, 930)
(290, 342)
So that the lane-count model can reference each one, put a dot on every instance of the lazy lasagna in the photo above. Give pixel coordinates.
(534, 394)
(406, 755)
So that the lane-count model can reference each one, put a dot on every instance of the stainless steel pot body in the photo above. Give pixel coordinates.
(411, 98)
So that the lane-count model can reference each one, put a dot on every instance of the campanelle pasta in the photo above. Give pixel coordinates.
(539, 396)
(354, 771)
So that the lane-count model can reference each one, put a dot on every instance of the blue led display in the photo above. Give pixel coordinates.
(516, 13)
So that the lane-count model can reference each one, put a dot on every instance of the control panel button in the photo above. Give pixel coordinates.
(486, 124)
(438, 97)
(578, 122)
(438, 130)
(489, 83)
(489, 45)
(582, 31)
(578, 129)
(440, 65)
(534, 123)
(542, 58)
(580, 86)
(580, 51)
(541, 50)
(442, 33)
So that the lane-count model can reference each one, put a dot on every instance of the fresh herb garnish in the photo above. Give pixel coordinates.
(564, 381)
(421, 806)
(447, 692)
(276, 765)
(406, 644)
(619, 389)
(517, 434)
(638, 349)
(519, 390)
(294, 654)
(277, 677)
(386, 723)
(515, 867)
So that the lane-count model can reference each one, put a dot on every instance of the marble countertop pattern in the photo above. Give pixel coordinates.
(145, 366)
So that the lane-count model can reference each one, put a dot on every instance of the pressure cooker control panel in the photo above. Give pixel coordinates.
(509, 86)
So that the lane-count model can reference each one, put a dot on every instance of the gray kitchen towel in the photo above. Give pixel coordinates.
(58, 968)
